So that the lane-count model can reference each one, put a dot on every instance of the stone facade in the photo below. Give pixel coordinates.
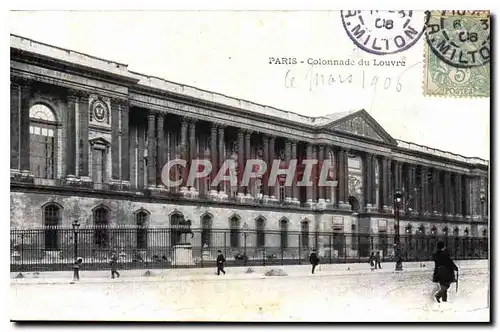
(103, 134)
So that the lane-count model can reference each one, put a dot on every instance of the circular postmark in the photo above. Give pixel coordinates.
(459, 38)
(383, 32)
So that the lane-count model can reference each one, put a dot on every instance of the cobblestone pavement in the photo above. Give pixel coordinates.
(338, 298)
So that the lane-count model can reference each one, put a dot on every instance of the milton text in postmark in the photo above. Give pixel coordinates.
(457, 54)
(384, 32)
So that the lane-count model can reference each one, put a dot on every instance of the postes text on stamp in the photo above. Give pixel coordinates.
(457, 54)
(383, 32)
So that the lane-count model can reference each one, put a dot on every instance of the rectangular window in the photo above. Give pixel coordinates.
(42, 153)
(98, 167)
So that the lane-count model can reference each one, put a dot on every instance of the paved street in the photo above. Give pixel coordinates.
(377, 296)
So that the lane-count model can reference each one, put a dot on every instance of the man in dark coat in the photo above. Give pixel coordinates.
(314, 260)
(377, 261)
(113, 261)
(220, 262)
(444, 271)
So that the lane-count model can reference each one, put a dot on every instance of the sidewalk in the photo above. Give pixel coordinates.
(233, 273)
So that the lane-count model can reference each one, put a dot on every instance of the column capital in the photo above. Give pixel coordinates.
(293, 141)
(151, 115)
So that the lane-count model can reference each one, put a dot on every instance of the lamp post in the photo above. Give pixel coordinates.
(397, 247)
(245, 230)
(75, 225)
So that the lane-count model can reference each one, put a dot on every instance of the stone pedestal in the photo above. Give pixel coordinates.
(16, 256)
(183, 255)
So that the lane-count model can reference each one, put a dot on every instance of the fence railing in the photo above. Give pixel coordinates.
(55, 248)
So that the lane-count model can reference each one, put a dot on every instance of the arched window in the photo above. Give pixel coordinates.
(141, 221)
(485, 232)
(51, 220)
(234, 224)
(175, 223)
(101, 222)
(206, 230)
(260, 236)
(434, 231)
(284, 233)
(42, 142)
(445, 231)
(455, 232)
(304, 227)
(466, 232)
(421, 230)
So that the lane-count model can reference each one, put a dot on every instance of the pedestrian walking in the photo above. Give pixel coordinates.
(444, 271)
(76, 269)
(371, 261)
(220, 262)
(377, 261)
(314, 260)
(113, 261)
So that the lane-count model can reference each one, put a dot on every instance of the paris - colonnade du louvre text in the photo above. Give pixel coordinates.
(89, 139)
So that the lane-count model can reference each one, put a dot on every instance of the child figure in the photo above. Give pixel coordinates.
(113, 261)
(76, 269)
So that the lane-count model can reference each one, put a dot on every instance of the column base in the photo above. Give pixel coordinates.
(14, 172)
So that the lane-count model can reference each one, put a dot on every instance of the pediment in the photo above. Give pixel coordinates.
(99, 142)
(361, 124)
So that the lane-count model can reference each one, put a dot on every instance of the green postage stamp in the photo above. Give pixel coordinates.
(457, 54)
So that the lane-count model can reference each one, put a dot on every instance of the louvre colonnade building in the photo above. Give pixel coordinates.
(89, 139)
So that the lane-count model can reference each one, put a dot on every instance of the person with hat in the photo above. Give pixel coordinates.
(314, 260)
(444, 271)
(220, 262)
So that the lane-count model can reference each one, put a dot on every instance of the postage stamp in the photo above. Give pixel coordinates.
(457, 54)
(383, 32)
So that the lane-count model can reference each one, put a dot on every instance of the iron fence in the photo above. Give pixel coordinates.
(55, 248)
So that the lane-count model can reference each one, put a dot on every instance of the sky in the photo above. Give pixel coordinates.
(229, 52)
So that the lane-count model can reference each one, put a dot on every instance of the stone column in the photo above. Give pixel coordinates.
(151, 151)
(241, 156)
(160, 151)
(265, 156)
(15, 111)
(367, 185)
(272, 155)
(221, 155)
(213, 157)
(467, 196)
(83, 123)
(435, 191)
(70, 148)
(184, 152)
(321, 157)
(447, 194)
(288, 157)
(125, 145)
(458, 195)
(309, 189)
(115, 140)
(345, 175)
(384, 183)
(26, 93)
(389, 195)
(424, 189)
(248, 155)
(192, 146)
(400, 176)
(339, 167)
(295, 189)
(315, 175)
(414, 192)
